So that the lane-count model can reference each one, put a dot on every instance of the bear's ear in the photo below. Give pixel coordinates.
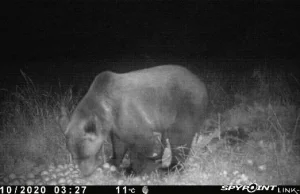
(64, 119)
(91, 126)
(94, 128)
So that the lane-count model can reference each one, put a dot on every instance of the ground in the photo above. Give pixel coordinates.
(246, 138)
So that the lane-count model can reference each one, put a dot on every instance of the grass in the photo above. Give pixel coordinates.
(265, 107)
(30, 134)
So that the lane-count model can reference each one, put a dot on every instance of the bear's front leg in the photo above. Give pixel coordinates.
(119, 149)
(140, 164)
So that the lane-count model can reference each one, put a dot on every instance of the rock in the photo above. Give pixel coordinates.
(53, 176)
(30, 175)
(57, 170)
(52, 182)
(12, 176)
(244, 178)
(22, 181)
(44, 172)
(16, 182)
(22, 177)
(62, 181)
(29, 182)
(113, 168)
(46, 178)
(51, 166)
(66, 173)
(250, 162)
(120, 182)
(106, 165)
(69, 181)
(262, 167)
(137, 179)
(5, 179)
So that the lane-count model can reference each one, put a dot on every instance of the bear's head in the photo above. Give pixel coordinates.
(85, 132)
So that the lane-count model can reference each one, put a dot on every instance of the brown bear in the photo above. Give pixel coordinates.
(130, 108)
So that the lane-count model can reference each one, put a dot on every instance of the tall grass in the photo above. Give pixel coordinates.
(266, 107)
(30, 135)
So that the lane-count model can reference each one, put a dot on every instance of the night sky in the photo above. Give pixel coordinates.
(50, 40)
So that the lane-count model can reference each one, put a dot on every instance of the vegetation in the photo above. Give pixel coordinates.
(262, 104)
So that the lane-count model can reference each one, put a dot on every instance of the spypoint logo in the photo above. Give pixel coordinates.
(250, 188)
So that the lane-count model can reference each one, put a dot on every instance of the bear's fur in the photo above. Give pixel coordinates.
(130, 108)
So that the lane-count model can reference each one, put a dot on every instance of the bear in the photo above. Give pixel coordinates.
(131, 109)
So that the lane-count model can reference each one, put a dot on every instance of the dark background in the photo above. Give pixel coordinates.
(51, 40)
